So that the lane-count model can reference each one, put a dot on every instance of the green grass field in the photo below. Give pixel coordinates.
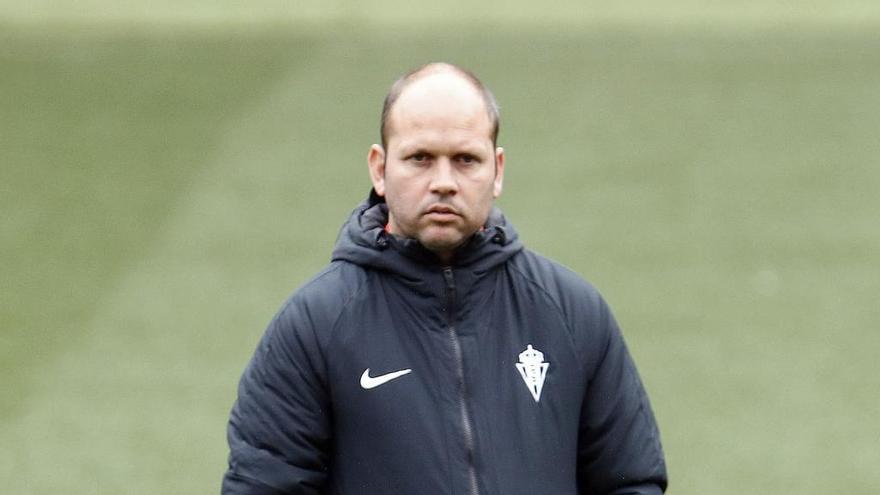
(165, 184)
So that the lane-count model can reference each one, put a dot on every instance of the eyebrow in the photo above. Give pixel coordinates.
(466, 148)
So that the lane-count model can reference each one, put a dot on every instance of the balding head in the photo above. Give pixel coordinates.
(438, 168)
(446, 73)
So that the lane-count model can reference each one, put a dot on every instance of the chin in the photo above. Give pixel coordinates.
(446, 242)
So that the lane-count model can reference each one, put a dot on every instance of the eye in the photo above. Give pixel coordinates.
(419, 157)
(468, 159)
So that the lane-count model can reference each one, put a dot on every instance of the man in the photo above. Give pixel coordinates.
(436, 355)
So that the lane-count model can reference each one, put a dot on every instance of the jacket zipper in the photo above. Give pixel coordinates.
(459, 368)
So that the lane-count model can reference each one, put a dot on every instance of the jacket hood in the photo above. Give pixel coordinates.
(364, 241)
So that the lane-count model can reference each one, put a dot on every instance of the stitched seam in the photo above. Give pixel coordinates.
(556, 306)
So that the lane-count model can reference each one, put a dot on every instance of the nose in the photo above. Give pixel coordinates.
(443, 181)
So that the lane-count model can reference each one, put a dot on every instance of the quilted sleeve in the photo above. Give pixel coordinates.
(279, 427)
(619, 449)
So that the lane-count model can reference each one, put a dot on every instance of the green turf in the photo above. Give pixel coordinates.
(163, 191)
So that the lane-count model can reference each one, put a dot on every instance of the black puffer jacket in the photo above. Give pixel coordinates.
(389, 373)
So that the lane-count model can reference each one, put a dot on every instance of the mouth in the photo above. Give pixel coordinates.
(442, 208)
(442, 212)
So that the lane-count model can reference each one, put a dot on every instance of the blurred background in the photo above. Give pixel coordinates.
(170, 171)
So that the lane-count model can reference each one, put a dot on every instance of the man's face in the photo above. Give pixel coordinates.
(441, 171)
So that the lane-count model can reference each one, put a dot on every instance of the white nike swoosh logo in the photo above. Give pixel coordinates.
(368, 382)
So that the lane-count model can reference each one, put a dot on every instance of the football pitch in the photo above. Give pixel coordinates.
(165, 183)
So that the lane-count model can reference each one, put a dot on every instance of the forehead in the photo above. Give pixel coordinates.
(440, 106)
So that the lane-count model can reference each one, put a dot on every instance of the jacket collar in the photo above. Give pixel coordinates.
(364, 241)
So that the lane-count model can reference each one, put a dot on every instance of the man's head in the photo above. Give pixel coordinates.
(433, 68)
(438, 167)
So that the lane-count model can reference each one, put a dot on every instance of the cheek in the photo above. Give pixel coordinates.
(484, 190)
(403, 188)
(401, 201)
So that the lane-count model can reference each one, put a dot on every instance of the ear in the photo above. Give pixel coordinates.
(376, 163)
(499, 171)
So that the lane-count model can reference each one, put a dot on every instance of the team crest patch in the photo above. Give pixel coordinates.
(533, 370)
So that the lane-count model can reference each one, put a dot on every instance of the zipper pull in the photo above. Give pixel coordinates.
(448, 277)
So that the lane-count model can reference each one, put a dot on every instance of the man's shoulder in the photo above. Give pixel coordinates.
(578, 302)
(552, 276)
(326, 294)
(338, 276)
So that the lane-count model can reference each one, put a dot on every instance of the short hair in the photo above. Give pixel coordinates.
(432, 68)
